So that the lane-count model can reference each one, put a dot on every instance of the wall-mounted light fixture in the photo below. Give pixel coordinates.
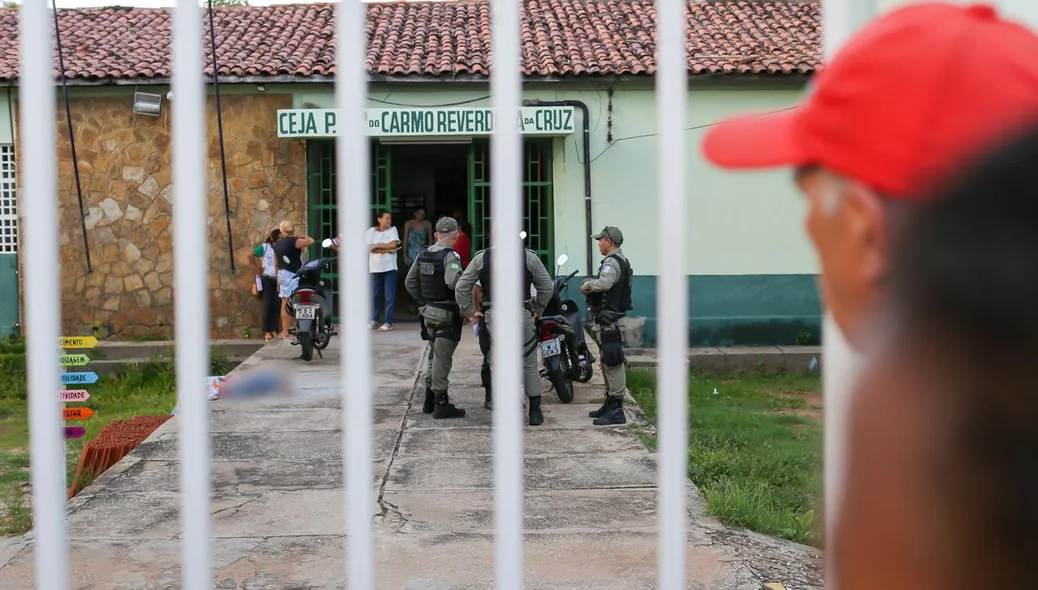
(147, 104)
(169, 95)
(261, 88)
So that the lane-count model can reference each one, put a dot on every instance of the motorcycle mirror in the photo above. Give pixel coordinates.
(522, 235)
(327, 243)
(561, 259)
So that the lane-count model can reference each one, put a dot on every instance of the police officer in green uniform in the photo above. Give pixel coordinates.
(431, 281)
(609, 300)
(536, 276)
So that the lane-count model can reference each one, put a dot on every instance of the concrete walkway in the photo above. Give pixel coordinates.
(590, 512)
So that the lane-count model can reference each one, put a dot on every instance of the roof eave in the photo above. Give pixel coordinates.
(415, 79)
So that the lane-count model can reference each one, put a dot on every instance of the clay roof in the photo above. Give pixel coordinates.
(561, 38)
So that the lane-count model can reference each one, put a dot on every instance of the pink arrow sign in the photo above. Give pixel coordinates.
(74, 395)
(74, 431)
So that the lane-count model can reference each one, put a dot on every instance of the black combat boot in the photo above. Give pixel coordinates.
(484, 376)
(444, 407)
(614, 415)
(606, 406)
(536, 417)
(430, 401)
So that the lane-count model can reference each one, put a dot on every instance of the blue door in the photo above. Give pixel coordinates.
(8, 242)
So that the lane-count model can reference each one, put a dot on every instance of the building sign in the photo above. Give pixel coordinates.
(425, 122)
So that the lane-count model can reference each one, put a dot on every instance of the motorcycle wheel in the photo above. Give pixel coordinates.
(306, 344)
(323, 337)
(562, 385)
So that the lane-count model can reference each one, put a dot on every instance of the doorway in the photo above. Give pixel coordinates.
(430, 177)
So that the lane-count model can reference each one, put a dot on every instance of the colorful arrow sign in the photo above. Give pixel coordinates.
(75, 395)
(78, 342)
(74, 360)
(74, 431)
(87, 378)
(77, 413)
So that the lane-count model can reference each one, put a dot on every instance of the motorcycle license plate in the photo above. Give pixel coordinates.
(306, 312)
(550, 348)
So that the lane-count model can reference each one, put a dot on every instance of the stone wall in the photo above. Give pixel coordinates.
(126, 177)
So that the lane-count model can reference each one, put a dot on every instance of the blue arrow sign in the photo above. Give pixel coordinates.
(86, 378)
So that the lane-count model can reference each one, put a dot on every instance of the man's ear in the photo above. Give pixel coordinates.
(868, 231)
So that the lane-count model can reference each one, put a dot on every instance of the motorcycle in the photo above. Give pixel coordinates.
(311, 304)
(580, 362)
(561, 344)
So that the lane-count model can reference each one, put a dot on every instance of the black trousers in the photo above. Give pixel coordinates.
(271, 306)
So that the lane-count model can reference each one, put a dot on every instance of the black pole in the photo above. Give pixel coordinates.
(71, 137)
(219, 130)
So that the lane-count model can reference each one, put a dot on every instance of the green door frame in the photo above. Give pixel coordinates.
(538, 194)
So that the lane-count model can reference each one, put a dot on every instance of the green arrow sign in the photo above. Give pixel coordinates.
(74, 360)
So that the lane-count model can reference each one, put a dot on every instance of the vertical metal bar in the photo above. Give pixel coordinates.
(353, 193)
(190, 266)
(672, 303)
(43, 288)
(505, 169)
(840, 365)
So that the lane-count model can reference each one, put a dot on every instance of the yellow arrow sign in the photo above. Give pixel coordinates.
(78, 342)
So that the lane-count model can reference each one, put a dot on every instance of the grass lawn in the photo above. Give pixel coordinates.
(755, 448)
(145, 391)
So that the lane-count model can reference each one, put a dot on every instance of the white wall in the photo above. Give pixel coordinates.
(740, 223)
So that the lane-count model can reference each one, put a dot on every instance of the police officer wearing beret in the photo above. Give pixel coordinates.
(609, 300)
(431, 281)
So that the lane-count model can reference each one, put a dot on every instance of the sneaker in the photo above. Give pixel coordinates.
(385, 328)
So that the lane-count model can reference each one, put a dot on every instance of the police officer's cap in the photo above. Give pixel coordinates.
(446, 225)
(612, 232)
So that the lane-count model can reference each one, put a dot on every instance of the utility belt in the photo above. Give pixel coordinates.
(606, 317)
(453, 331)
(611, 337)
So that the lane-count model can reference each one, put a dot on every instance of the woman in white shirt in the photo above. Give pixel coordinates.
(383, 243)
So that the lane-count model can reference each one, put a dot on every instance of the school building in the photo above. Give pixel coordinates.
(588, 119)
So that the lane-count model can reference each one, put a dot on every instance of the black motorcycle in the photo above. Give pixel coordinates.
(311, 304)
(563, 350)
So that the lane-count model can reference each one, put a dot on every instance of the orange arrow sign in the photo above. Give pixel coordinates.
(78, 413)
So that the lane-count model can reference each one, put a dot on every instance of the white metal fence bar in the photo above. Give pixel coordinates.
(37, 106)
(191, 279)
(354, 215)
(672, 295)
(840, 366)
(509, 338)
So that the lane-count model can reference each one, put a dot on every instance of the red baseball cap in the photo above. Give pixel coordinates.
(902, 104)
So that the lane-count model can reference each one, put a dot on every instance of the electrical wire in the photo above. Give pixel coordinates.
(693, 128)
(430, 106)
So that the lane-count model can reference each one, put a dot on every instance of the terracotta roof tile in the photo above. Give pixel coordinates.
(560, 38)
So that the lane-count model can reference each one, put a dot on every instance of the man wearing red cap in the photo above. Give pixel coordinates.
(909, 100)
(916, 96)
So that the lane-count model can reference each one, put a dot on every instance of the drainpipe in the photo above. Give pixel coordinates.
(587, 163)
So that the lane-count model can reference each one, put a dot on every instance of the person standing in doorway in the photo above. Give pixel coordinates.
(418, 236)
(265, 262)
(289, 252)
(383, 242)
(609, 300)
(431, 281)
(464, 244)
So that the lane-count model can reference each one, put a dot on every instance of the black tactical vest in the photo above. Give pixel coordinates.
(431, 276)
(618, 298)
(484, 277)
